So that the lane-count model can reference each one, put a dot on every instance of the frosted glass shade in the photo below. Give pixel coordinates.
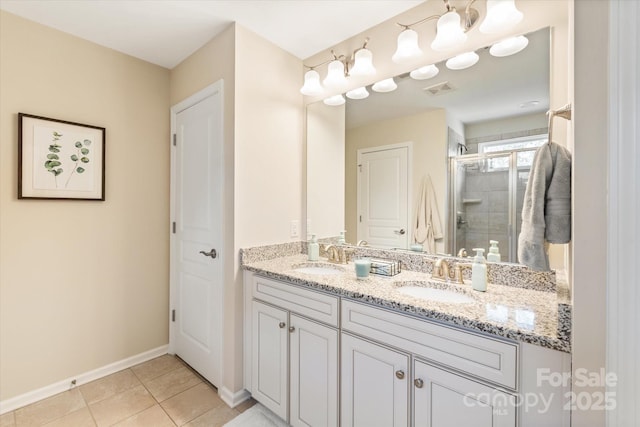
(462, 61)
(334, 100)
(424, 73)
(363, 64)
(360, 93)
(408, 49)
(509, 46)
(335, 79)
(312, 86)
(386, 85)
(502, 15)
(449, 32)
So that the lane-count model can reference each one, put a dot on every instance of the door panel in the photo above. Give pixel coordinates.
(197, 283)
(383, 188)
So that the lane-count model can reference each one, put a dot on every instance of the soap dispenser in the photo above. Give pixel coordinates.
(494, 252)
(479, 271)
(313, 249)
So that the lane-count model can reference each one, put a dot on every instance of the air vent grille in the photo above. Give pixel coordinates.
(439, 89)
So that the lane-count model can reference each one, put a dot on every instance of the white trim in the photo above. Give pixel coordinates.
(13, 403)
(623, 296)
(233, 399)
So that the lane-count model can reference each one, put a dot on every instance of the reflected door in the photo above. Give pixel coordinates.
(383, 188)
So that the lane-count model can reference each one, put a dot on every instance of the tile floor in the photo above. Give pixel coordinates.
(161, 392)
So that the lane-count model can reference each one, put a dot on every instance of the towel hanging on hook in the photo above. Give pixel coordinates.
(564, 112)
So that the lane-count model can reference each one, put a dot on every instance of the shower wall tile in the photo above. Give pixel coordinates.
(499, 180)
(478, 222)
(498, 222)
(477, 240)
(483, 206)
(499, 201)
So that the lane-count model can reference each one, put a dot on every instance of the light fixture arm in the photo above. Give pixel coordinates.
(471, 16)
(408, 26)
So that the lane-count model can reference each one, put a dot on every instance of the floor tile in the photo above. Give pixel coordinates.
(121, 406)
(245, 405)
(156, 367)
(217, 417)
(192, 403)
(154, 416)
(50, 409)
(7, 420)
(108, 386)
(172, 383)
(80, 418)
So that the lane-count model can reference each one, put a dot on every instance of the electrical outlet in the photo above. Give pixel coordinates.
(295, 228)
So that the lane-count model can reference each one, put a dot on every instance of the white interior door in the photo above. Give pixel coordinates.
(383, 195)
(196, 239)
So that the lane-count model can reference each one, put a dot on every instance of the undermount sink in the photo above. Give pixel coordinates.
(435, 294)
(322, 269)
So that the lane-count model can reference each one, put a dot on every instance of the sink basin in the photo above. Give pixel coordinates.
(322, 270)
(434, 294)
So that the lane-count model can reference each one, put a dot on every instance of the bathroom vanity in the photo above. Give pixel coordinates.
(323, 348)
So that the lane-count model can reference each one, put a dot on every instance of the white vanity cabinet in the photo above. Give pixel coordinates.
(374, 387)
(294, 358)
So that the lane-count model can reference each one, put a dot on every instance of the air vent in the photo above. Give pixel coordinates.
(439, 89)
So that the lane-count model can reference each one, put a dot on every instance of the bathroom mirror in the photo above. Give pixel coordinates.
(421, 126)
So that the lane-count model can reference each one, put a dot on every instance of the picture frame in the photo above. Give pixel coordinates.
(59, 159)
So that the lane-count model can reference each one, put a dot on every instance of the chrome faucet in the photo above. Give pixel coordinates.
(442, 271)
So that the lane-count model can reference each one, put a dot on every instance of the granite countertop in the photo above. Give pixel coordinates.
(533, 316)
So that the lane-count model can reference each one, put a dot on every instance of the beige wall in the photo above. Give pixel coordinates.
(428, 132)
(82, 283)
(507, 125)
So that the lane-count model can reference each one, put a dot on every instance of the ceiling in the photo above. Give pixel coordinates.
(165, 32)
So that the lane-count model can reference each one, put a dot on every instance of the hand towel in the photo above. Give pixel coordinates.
(546, 213)
(428, 227)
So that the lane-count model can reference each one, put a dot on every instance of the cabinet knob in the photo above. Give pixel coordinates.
(292, 328)
(418, 383)
(282, 325)
(400, 374)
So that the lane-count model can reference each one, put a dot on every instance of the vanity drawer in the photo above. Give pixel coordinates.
(486, 358)
(311, 304)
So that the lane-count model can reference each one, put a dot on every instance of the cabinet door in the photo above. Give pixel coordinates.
(269, 377)
(443, 399)
(314, 373)
(375, 391)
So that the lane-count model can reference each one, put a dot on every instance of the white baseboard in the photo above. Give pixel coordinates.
(13, 403)
(233, 399)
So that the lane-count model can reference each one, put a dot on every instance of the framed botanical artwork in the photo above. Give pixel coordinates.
(58, 159)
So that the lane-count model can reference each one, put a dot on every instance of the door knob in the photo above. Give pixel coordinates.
(282, 325)
(418, 383)
(401, 231)
(212, 253)
(400, 374)
(292, 328)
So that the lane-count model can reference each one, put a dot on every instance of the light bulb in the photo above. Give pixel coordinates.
(363, 64)
(509, 46)
(502, 15)
(386, 85)
(359, 93)
(449, 32)
(311, 85)
(408, 49)
(462, 61)
(335, 79)
(425, 72)
(334, 100)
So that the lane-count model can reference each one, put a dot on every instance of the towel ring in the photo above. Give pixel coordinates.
(564, 112)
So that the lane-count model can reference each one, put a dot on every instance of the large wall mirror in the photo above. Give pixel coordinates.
(457, 145)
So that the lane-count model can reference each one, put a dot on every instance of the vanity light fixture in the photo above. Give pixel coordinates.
(502, 15)
(408, 49)
(425, 72)
(386, 85)
(462, 61)
(361, 63)
(359, 93)
(312, 86)
(449, 32)
(334, 100)
(509, 46)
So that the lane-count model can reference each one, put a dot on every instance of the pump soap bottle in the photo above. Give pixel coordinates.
(494, 252)
(313, 249)
(479, 271)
